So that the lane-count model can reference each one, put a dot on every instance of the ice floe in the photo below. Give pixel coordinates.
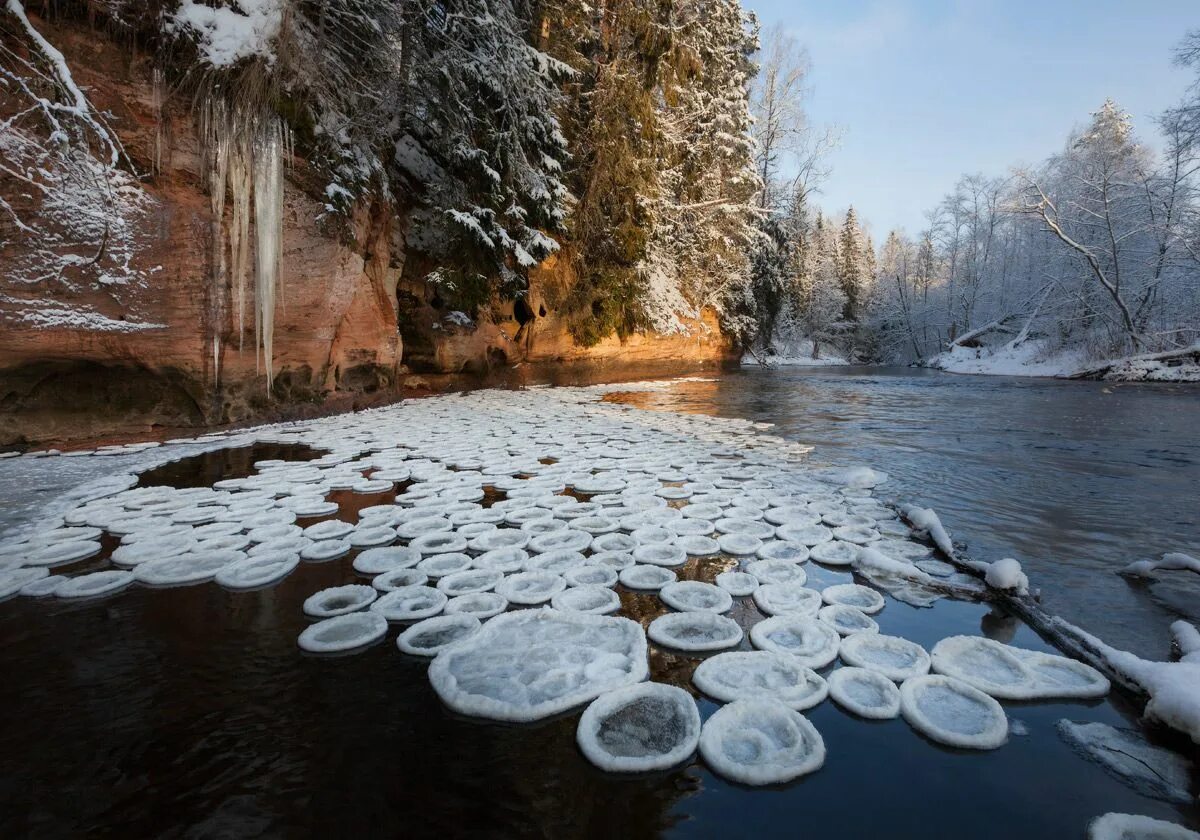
(853, 595)
(343, 633)
(1127, 755)
(737, 584)
(94, 584)
(410, 603)
(810, 642)
(695, 631)
(761, 741)
(847, 620)
(787, 598)
(639, 728)
(951, 712)
(864, 692)
(433, 635)
(597, 600)
(529, 588)
(258, 571)
(185, 569)
(1012, 673)
(532, 664)
(742, 674)
(339, 600)
(896, 658)
(777, 571)
(646, 577)
(482, 605)
(1136, 827)
(374, 561)
(695, 596)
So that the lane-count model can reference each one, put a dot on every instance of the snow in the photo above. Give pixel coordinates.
(896, 658)
(343, 633)
(1006, 574)
(1113, 826)
(953, 713)
(1040, 358)
(794, 353)
(1030, 358)
(760, 741)
(924, 519)
(1187, 639)
(434, 635)
(811, 643)
(866, 693)
(528, 665)
(1173, 687)
(639, 728)
(695, 596)
(227, 34)
(695, 631)
(1126, 755)
(1174, 561)
(339, 600)
(738, 675)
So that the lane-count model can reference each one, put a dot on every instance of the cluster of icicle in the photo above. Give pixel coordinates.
(244, 156)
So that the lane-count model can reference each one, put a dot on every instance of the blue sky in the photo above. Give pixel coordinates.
(928, 90)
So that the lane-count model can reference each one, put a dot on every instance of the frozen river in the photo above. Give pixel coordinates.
(190, 712)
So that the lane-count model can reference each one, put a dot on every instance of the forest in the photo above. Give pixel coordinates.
(660, 147)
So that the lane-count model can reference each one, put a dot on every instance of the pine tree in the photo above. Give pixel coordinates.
(852, 268)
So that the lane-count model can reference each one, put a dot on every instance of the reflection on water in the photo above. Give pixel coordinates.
(191, 713)
(1075, 479)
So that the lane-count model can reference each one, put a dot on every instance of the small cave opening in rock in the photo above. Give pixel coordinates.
(522, 312)
(437, 302)
(542, 311)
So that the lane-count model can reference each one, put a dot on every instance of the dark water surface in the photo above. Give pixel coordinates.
(191, 712)
(1074, 479)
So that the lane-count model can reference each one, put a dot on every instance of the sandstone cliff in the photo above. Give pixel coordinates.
(81, 357)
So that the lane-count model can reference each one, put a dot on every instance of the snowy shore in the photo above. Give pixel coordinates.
(1033, 359)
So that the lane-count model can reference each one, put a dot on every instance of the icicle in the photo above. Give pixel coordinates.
(240, 164)
(157, 99)
(268, 231)
(216, 359)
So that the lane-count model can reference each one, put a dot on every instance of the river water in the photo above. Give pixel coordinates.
(1074, 479)
(191, 713)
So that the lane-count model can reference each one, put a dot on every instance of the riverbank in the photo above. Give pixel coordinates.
(1033, 358)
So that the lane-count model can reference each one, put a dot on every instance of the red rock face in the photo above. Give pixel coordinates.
(338, 322)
